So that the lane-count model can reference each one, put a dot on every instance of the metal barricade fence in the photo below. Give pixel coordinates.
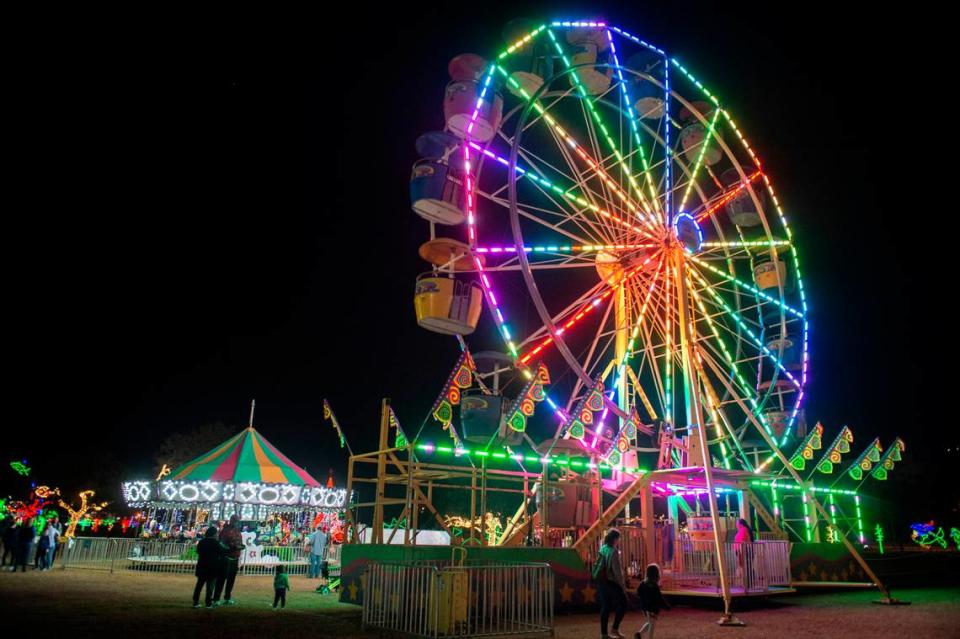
(111, 553)
(450, 600)
(750, 567)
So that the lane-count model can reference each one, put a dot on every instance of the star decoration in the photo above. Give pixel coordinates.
(589, 593)
(566, 593)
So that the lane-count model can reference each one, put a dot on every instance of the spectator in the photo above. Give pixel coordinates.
(233, 542)
(24, 543)
(43, 549)
(317, 544)
(9, 538)
(55, 531)
(209, 556)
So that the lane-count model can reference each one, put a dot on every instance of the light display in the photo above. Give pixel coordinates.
(810, 443)
(179, 493)
(888, 460)
(553, 460)
(878, 537)
(833, 454)
(866, 460)
(76, 514)
(928, 534)
(20, 467)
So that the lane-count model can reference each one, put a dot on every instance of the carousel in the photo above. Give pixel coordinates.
(245, 475)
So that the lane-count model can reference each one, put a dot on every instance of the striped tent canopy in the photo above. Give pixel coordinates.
(246, 456)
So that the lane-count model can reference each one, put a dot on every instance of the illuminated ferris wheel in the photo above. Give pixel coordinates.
(621, 230)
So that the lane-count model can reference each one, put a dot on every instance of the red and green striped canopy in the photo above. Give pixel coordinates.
(246, 456)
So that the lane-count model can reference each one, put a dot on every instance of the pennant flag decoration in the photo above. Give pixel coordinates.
(582, 416)
(804, 453)
(328, 414)
(525, 403)
(461, 377)
(839, 447)
(889, 460)
(400, 438)
(866, 460)
(614, 454)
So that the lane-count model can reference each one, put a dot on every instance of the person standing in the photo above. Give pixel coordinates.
(651, 601)
(43, 548)
(317, 544)
(233, 542)
(742, 548)
(24, 543)
(55, 532)
(611, 586)
(281, 584)
(9, 539)
(209, 554)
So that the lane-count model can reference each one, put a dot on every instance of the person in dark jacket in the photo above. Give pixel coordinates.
(651, 601)
(9, 541)
(25, 536)
(209, 553)
(611, 586)
(231, 539)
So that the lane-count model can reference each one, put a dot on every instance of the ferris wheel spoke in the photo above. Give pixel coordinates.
(532, 215)
(586, 307)
(700, 155)
(570, 141)
(550, 189)
(632, 121)
(746, 286)
(595, 119)
(730, 360)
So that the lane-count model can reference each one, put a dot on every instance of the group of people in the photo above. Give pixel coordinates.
(25, 540)
(609, 576)
(218, 561)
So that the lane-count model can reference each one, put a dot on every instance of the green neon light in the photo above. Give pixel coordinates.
(551, 460)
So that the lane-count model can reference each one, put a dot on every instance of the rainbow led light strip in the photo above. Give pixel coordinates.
(566, 248)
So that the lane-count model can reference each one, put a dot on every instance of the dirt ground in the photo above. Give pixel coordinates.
(81, 603)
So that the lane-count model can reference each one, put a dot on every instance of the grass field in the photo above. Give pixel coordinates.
(80, 603)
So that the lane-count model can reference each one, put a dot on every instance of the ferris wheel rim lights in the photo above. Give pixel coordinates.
(669, 63)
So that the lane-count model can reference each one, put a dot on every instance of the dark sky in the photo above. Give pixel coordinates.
(211, 214)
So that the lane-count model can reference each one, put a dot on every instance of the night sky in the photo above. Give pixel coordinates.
(209, 215)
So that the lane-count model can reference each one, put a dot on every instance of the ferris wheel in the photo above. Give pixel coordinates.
(610, 214)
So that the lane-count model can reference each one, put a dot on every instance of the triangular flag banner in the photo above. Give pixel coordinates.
(613, 444)
(866, 460)
(804, 453)
(582, 415)
(400, 438)
(328, 414)
(889, 460)
(839, 447)
(461, 377)
(524, 405)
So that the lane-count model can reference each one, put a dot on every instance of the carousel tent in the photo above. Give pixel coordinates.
(245, 457)
(246, 475)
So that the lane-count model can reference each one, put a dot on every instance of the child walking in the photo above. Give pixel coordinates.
(651, 601)
(281, 584)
